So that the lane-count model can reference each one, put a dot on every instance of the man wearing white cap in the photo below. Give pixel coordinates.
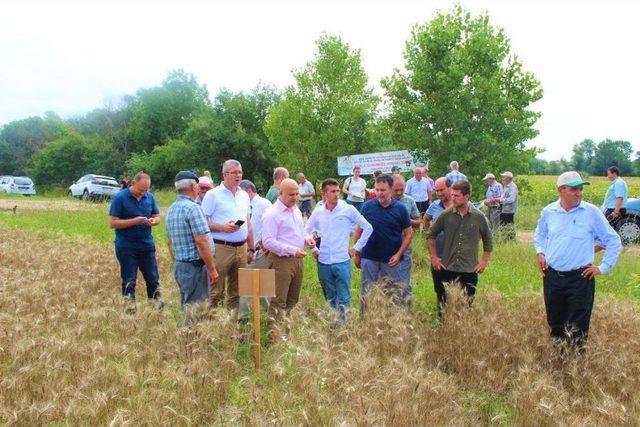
(509, 202)
(204, 184)
(564, 241)
(492, 200)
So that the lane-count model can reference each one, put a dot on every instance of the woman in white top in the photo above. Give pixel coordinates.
(355, 189)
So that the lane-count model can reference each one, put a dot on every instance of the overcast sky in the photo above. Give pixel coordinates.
(72, 57)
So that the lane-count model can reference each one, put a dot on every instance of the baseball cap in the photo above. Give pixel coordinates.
(507, 174)
(395, 168)
(489, 175)
(205, 182)
(571, 179)
(186, 175)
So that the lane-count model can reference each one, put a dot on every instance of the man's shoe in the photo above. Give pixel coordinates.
(129, 305)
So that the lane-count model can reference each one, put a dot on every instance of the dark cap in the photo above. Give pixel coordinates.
(186, 175)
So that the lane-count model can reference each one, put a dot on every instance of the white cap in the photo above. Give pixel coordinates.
(571, 179)
(489, 175)
(507, 174)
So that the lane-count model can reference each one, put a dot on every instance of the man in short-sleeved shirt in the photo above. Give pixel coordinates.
(194, 268)
(306, 194)
(455, 175)
(392, 233)
(419, 188)
(226, 208)
(132, 213)
(615, 200)
(463, 226)
(279, 174)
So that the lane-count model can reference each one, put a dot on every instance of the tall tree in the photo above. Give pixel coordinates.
(583, 154)
(327, 113)
(463, 96)
(158, 114)
(610, 153)
(21, 139)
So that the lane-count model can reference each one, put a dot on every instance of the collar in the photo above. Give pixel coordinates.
(556, 206)
(183, 197)
(283, 208)
(469, 206)
(133, 196)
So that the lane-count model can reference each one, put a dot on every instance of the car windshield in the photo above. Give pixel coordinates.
(22, 181)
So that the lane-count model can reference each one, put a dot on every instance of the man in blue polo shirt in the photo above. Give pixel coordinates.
(615, 200)
(132, 213)
(392, 233)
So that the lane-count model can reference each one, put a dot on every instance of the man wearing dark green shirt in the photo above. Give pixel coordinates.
(279, 174)
(463, 226)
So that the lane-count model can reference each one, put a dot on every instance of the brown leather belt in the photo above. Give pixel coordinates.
(224, 242)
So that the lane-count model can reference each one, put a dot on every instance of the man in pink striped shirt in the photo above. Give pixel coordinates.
(283, 235)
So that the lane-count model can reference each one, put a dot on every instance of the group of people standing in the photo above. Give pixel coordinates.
(214, 231)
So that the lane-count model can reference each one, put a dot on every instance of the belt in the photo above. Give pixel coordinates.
(196, 262)
(569, 273)
(224, 242)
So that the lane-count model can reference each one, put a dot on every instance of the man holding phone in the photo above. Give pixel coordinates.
(226, 208)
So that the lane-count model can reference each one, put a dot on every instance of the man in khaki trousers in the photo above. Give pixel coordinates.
(226, 208)
(283, 235)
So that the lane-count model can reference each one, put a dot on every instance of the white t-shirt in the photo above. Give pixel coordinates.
(356, 186)
(305, 188)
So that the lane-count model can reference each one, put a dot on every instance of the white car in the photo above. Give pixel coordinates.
(94, 187)
(18, 184)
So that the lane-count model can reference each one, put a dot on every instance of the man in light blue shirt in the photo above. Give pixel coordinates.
(420, 188)
(334, 221)
(615, 201)
(564, 240)
(455, 174)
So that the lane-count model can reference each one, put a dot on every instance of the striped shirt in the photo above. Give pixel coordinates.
(184, 221)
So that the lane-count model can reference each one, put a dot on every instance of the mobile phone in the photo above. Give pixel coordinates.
(239, 223)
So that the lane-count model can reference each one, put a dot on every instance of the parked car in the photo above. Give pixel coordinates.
(94, 187)
(18, 184)
(628, 226)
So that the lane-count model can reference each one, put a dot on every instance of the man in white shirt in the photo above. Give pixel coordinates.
(419, 188)
(226, 208)
(334, 221)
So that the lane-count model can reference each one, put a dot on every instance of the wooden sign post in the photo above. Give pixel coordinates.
(256, 283)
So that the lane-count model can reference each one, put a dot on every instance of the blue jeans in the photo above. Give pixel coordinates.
(357, 205)
(130, 261)
(376, 271)
(337, 283)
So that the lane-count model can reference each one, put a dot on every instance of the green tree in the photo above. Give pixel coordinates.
(62, 161)
(21, 139)
(463, 96)
(583, 154)
(327, 113)
(158, 114)
(610, 153)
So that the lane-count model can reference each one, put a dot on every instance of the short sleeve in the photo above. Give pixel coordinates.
(116, 207)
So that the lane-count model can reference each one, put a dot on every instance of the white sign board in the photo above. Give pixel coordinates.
(371, 162)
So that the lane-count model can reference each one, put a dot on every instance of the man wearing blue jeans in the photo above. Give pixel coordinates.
(132, 213)
(392, 233)
(333, 221)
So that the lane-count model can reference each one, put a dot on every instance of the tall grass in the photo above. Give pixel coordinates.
(70, 355)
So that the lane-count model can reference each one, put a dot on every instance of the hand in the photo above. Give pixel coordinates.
(357, 260)
(353, 252)
(316, 254)
(213, 275)
(300, 253)
(229, 227)
(597, 248)
(590, 271)
(542, 264)
(486, 202)
(481, 266)
(436, 263)
(310, 242)
(250, 256)
(615, 214)
(142, 220)
(394, 260)
(154, 220)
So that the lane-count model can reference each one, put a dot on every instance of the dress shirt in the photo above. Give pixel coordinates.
(184, 221)
(283, 229)
(419, 190)
(221, 206)
(618, 188)
(454, 176)
(494, 191)
(334, 228)
(566, 238)
(509, 198)
(258, 206)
